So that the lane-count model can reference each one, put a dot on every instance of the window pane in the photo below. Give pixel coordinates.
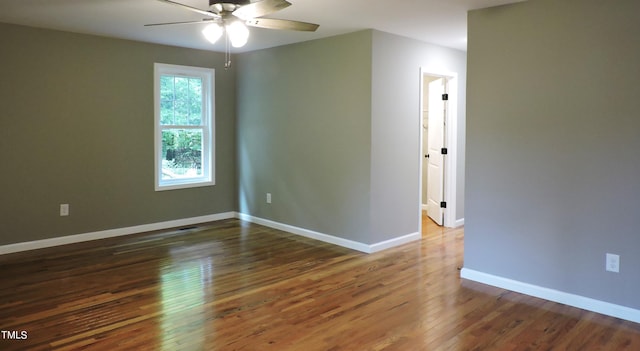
(166, 100)
(195, 101)
(181, 104)
(166, 112)
(181, 153)
(180, 101)
(166, 87)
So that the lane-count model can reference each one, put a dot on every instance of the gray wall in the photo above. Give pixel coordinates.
(77, 127)
(304, 114)
(553, 135)
(331, 128)
(395, 140)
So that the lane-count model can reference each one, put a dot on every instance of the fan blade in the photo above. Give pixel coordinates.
(190, 8)
(271, 23)
(260, 8)
(204, 20)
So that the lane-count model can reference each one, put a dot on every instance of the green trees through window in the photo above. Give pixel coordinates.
(182, 150)
(181, 106)
(180, 100)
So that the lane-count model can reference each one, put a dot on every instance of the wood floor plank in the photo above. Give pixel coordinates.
(231, 285)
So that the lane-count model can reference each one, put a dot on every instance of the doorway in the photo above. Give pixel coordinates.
(438, 130)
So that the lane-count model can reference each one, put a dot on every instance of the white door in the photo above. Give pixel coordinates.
(435, 164)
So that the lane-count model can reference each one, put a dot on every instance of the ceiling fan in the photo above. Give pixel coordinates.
(232, 17)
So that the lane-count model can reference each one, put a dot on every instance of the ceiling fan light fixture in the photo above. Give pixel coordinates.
(212, 32)
(238, 33)
(231, 18)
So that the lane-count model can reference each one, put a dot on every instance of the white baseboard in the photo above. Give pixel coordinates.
(578, 301)
(387, 244)
(425, 207)
(354, 245)
(103, 234)
(459, 223)
(350, 244)
(110, 233)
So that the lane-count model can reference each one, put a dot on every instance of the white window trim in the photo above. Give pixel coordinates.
(208, 110)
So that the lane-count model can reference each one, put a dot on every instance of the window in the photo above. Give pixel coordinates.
(184, 124)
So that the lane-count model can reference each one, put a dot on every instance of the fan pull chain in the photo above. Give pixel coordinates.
(227, 53)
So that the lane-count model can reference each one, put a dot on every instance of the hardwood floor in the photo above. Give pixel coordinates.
(231, 285)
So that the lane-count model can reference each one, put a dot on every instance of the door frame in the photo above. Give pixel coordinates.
(450, 142)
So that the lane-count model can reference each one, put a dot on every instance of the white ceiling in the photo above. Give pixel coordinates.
(442, 22)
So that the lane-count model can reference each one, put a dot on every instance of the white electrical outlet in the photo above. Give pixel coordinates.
(64, 209)
(613, 263)
(268, 198)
